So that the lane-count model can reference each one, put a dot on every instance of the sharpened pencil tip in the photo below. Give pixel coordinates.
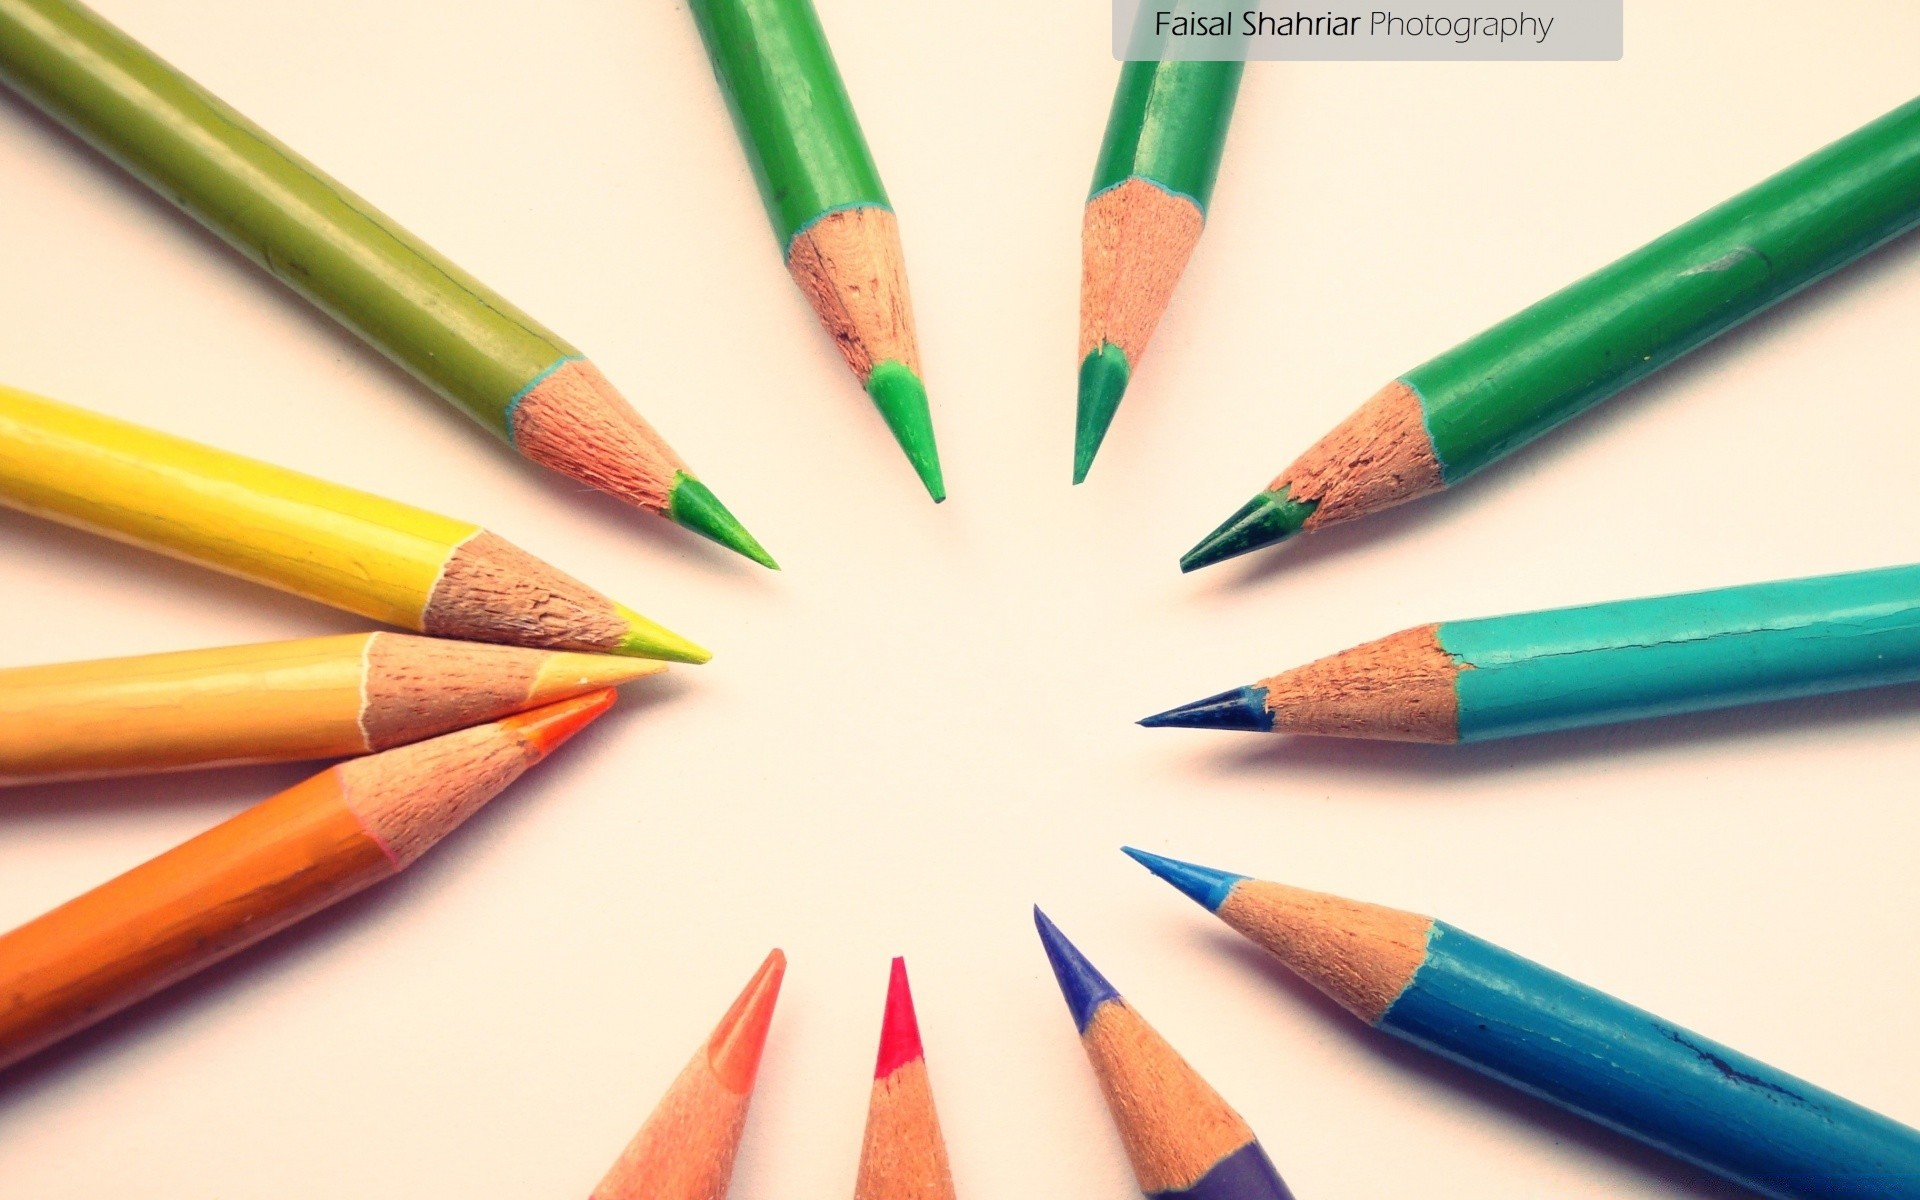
(899, 1028)
(692, 504)
(545, 729)
(1103, 381)
(734, 1049)
(645, 639)
(1203, 885)
(1084, 988)
(902, 400)
(1267, 518)
(567, 674)
(1238, 708)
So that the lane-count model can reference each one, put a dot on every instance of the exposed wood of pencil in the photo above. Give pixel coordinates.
(1176, 1128)
(1378, 457)
(575, 422)
(1396, 688)
(278, 862)
(1135, 241)
(850, 267)
(685, 1151)
(325, 697)
(491, 590)
(1361, 955)
(902, 1154)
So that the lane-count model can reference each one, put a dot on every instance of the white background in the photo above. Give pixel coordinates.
(923, 724)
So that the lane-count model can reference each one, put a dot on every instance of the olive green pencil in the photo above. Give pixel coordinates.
(1492, 394)
(831, 215)
(499, 365)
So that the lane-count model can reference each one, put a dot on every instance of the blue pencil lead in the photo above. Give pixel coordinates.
(1240, 708)
(1203, 885)
(1085, 989)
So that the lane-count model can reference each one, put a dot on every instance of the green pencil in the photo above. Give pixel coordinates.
(1143, 219)
(503, 368)
(830, 213)
(1488, 396)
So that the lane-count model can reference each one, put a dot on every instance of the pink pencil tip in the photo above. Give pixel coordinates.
(899, 1029)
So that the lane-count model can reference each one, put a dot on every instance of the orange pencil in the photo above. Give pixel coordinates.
(903, 1156)
(282, 860)
(685, 1150)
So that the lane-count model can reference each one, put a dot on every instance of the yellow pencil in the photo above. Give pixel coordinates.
(325, 697)
(376, 557)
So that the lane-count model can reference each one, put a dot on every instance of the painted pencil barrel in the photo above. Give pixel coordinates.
(1580, 345)
(787, 99)
(465, 341)
(273, 865)
(347, 548)
(286, 700)
(1553, 1037)
(1564, 668)
(1169, 126)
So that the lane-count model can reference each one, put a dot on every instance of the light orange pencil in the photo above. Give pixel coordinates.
(903, 1156)
(324, 697)
(282, 860)
(685, 1150)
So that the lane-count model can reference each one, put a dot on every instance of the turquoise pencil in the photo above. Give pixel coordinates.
(1466, 999)
(1471, 681)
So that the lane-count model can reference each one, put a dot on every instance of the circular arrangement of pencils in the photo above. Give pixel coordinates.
(486, 658)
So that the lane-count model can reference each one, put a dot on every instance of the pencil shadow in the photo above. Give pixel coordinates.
(318, 935)
(270, 291)
(1600, 421)
(219, 791)
(1450, 1082)
(1893, 709)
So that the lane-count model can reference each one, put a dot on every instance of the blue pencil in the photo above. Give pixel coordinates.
(1183, 1140)
(1468, 681)
(1481, 1006)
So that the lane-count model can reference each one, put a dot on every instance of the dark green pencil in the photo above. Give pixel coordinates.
(1492, 394)
(829, 211)
(1143, 219)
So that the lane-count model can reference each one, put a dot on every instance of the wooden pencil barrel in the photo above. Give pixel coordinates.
(280, 861)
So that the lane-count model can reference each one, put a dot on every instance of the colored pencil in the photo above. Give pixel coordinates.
(324, 697)
(685, 1150)
(1471, 681)
(356, 551)
(1151, 189)
(1185, 1143)
(902, 1156)
(1489, 1009)
(836, 227)
(1488, 396)
(279, 862)
(504, 369)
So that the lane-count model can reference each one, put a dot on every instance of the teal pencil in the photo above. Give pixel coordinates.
(1470, 681)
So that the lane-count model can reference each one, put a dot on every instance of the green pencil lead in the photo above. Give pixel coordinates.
(1267, 518)
(902, 400)
(693, 505)
(1103, 380)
